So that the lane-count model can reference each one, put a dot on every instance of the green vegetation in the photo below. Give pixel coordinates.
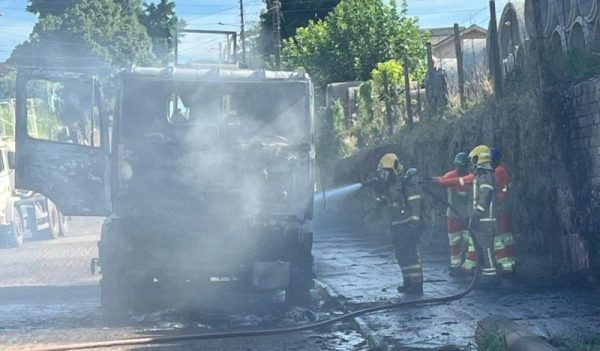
(353, 38)
(297, 13)
(97, 34)
(89, 34)
(161, 24)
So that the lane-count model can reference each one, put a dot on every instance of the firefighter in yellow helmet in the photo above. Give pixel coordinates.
(483, 219)
(400, 191)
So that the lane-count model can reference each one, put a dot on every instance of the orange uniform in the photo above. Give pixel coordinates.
(504, 243)
(458, 197)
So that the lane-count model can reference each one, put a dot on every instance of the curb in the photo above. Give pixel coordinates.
(375, 343)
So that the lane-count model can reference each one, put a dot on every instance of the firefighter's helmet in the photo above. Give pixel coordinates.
(461, 159)
(390, 161)
(480, 155)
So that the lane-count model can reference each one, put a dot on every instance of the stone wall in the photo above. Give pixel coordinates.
(551, 143)
(584, 137)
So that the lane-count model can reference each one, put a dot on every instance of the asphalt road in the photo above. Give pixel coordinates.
(361, 269)
(48, 296)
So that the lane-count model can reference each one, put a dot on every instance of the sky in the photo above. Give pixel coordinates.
(16, 23)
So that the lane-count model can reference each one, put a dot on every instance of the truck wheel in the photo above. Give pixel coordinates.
(118, 284)
(54, 220)
(301, 275)
(301, 281)
(115, 294)
(64, 224)
(17, 231)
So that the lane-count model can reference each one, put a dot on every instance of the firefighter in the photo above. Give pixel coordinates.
(504, 248)
(400, 191)
(458, 181)
(483, 221)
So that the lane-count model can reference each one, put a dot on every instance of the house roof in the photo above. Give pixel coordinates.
(465, 31)
(442, 32)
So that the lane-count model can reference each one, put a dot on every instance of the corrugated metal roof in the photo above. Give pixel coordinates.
(215, 73)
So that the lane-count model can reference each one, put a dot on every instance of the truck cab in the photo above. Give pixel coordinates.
(206, 176)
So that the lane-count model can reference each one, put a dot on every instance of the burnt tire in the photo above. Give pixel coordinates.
(114, 289)
(124, 287)
(301, 273)
(298, 291)
(15, 236)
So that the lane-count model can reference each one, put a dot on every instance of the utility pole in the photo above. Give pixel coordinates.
(459, 64)
(409, 114)
(495, 69)
(276, 9)
(387, 91)
(538, 46)
(429, 56)
(242, 32)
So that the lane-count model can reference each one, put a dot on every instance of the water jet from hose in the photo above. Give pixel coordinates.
(339, 192)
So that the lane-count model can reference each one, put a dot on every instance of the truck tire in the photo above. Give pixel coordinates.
(301, 273)
(113, 288)
(301, 282)
(16, 233)
(123, 287)
(53, 230)
(64, 224)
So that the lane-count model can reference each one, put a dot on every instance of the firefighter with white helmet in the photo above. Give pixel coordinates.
(400, 191)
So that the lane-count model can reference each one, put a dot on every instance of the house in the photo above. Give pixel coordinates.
(474, 39)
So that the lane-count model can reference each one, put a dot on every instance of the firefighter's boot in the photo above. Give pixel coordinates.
(413, 279)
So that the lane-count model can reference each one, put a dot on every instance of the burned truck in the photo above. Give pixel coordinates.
(206, 176)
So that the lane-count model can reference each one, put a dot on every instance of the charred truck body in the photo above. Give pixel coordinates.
(206, 176)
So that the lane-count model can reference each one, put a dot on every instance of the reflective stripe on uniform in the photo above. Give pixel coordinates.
(503, 249)
(454, 238)
(404, 221)
(414, 272)
(461, 180)
(413, 267)
(487, 219)
(469, 265)
(480, 208)
(507, 264)
(503, 240)
(487, 186)
(488, 271)
(455, 249)
(414, 197)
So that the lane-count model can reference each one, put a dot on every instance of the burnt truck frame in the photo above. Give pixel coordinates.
(206, 176)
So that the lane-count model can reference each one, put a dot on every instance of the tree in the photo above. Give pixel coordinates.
(162, 25)
(353, 39)
(295, 14)
(43, 8)
(389, 76)
(89, 34)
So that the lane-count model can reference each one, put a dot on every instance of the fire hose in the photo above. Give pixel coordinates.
(288, 330)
